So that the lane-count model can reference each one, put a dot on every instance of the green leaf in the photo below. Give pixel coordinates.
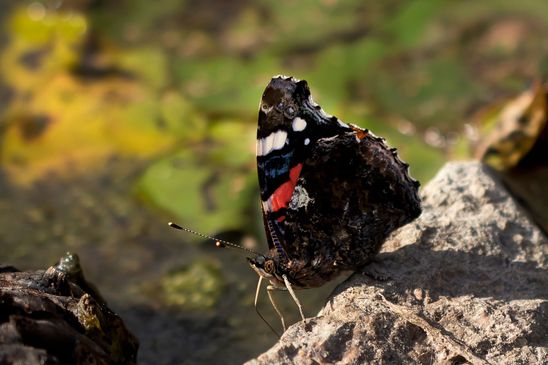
(209, 187)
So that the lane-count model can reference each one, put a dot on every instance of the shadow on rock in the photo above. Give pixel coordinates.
(455, 273)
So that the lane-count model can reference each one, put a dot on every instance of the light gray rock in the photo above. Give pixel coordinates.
(467, 283)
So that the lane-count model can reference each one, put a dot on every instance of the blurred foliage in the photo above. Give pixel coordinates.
(510, 135)
(196, 287)
(157, 82)
(57, 116)
(209, 185)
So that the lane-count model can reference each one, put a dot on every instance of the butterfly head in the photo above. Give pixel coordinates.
(269, 268)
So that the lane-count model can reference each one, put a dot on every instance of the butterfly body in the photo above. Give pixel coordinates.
(331, 192)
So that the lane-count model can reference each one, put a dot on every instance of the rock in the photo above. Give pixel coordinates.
(467, 283)
(57, 317)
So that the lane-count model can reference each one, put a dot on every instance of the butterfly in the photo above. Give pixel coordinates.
(330, 192)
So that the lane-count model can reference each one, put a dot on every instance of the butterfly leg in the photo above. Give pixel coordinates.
(290, 288)
(269, 290)
(257, 308)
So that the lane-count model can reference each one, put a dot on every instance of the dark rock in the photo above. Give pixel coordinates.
(46, 317)
(468, 283)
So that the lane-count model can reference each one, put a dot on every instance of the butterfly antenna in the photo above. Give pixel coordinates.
(218, 242)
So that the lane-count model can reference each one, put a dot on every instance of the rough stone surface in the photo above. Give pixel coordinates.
(56, 317)
(467, 282)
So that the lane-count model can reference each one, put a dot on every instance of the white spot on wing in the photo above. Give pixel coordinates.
(279, 140)
(285, 78)
(325, 115)
(342, 124)
(306, 141)
(299, 124)
(316, 261)
(261, 147)
(267, 205)
(267, 144)
(300, 198)
(274, 141)
(265, 108)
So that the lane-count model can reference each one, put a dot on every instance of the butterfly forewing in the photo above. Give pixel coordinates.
(290, 123)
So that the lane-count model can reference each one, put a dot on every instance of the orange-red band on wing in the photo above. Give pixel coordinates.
(281, 196)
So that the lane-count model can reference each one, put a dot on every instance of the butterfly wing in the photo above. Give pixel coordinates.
(290, 123)
(330, 192)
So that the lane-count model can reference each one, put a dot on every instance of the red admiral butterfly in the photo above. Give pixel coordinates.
(330, 192)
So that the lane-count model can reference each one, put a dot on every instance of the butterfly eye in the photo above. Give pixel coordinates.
(269, 266)
(290, 112)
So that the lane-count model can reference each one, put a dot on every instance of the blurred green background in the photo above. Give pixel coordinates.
(119, 116)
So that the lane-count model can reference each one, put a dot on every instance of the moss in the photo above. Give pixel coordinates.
(197, 286)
